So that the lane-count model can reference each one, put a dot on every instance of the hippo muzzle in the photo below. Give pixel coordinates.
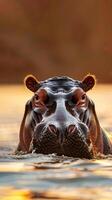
(60, 118)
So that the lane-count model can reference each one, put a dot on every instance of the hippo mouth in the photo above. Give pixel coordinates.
(74, 145)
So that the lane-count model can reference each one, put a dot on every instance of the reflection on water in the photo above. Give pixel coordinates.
(56, 177)
(50, 176)
(79, 194)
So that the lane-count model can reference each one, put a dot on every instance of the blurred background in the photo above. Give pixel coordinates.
(55, 37)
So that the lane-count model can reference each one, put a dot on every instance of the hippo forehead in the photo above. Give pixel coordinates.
(64, 83)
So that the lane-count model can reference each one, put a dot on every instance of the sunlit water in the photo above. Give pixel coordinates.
(50, 176)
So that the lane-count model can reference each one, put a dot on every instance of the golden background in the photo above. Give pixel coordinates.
(55, 37)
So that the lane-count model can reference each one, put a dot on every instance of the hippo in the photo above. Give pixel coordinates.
(60, 118)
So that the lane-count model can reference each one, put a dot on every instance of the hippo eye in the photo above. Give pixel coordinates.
(36, 97)
(83, 97)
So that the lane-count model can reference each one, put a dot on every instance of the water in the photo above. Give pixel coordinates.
(40, 176)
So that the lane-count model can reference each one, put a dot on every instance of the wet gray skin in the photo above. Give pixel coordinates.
(63, 127)
(60, 118)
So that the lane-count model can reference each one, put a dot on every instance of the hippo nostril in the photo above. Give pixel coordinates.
(71, 129)
(52, 128)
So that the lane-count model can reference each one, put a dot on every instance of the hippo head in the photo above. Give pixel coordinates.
(61, 113)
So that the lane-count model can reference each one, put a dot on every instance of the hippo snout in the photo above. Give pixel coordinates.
(61, 132)
(64, 140)
(55, 137)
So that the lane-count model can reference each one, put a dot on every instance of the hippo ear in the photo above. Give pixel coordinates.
(31, 83)
(88, 82)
